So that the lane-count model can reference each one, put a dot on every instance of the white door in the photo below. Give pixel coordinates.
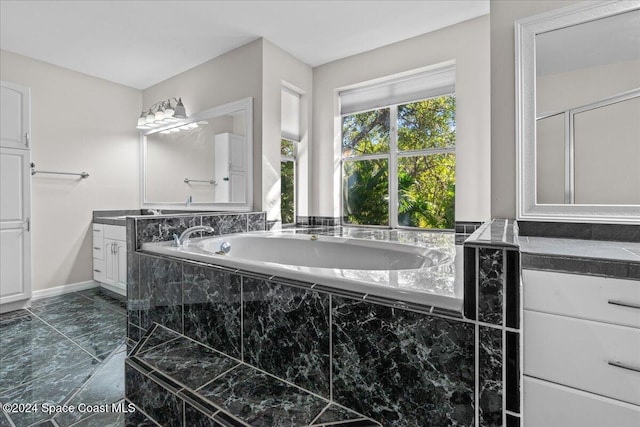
(15, 241)
(110, 260)
(121, 273)
(15, 115)
(15, 197)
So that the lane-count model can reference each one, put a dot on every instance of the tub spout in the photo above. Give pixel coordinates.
(184, 237)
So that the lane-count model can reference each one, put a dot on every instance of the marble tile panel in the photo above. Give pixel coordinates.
(160, 335)
(490, 377)
(286, 333)
(54, 389)
(256, 221)
(402, 368)
(105, 386)
(212, 308)
(13, 315)
(195, 418)
(490, 285)
(45, 424)
(82, 321)
(134, 333)
(138, 419)
(226, 224)
(262, 400)
(133, 288)
(163, 229)
(4, 421)
(40, 362)
(160, 293)
(160, 404)
(190, 364)
(334, 413)
(23, 334)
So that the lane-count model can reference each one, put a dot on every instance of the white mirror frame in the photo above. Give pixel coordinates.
(525, 55)
(245, 105)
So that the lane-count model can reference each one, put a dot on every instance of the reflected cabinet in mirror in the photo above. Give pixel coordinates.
(578, 114)
(204, 161)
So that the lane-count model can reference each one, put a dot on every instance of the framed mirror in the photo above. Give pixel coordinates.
(578, 114)
(202, 162)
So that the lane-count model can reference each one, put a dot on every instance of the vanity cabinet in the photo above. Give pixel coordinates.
(581, 350)
(110, 256)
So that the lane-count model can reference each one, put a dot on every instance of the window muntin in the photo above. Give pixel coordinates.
(411, 181)
(287, 181)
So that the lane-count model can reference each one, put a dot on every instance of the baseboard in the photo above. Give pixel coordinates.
(60, 290)
(118, 289)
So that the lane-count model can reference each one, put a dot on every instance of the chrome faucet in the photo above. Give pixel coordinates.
(189, 201)
(184, 237)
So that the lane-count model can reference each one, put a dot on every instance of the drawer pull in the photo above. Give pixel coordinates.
(97, 248)
(97, 271)
(97, 230)
(624, 366)
(623, 303)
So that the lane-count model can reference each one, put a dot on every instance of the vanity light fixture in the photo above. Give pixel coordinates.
(162, 112)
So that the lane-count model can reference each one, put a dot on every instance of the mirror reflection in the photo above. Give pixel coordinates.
(587, 101)
(204, 160)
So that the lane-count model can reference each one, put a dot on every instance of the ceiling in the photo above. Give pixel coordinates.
(141, 43)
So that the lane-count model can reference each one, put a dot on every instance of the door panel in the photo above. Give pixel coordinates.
(14, 116)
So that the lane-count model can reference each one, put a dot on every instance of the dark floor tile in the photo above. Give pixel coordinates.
(105, 298)
(4, 421)
(58, 301)
(83, 321)
(102, 342)
(261, 400)
(108, 419)
(45, 424)
(105, 386)
(53, 389)
(335, 413)
(24, 334)
(12, 315)
(40, 362)
(187, 362)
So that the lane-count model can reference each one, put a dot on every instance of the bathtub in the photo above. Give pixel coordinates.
(417, 267)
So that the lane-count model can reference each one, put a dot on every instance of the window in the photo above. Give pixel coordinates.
(398, 162)
(287, 181)
(290, 131)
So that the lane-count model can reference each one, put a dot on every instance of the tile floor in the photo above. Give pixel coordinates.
(66, 350)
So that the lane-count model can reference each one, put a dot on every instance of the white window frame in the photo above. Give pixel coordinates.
(293, 160)
(392, 163)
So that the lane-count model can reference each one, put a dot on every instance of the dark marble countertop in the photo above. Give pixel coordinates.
(591, 257)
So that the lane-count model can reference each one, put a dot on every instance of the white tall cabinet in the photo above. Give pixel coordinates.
(230, 169)
(15, 197)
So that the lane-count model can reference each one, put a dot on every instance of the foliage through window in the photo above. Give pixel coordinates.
(287, 181)
(398, 165)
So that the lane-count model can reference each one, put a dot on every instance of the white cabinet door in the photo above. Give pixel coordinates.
(15, 240)
(110, 260)
(121, 264)
(14, 116)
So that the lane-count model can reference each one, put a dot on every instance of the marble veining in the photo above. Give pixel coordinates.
(195, 418)
(261, 400)
(163, 228)
(402, 368)
(212, 308)
(160, 293)
(226, 224)
(152, 398)
(256, 221)
(490, 376)
(187, 362)
(490, 285)
(286, 333)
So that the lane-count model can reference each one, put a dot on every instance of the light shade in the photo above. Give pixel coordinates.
(180, 112)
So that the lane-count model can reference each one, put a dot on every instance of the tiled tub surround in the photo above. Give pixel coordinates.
(397, 363)
(492, 299)
(419, 267)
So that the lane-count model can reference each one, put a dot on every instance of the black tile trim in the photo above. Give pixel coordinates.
(470, 279)
(201, 405)
(144, 338)
(513, 421)
(512, 289)
(512, 365)
(584, 231)
(227, 421)
(583, 266)
(165, 381)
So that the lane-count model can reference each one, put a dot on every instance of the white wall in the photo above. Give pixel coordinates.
(235, 75)
(79, 123)
(279, 67)
(503, 130)
(468, 44)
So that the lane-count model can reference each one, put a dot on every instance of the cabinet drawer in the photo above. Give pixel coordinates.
(552, 405)
(585, 297)
(98, 270)
(98, 248)
(577, 353)
(115, 232)
(98, 231)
